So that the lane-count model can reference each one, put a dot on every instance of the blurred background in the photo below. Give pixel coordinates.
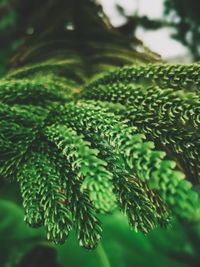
(170, 28)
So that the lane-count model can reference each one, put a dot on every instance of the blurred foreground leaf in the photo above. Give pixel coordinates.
(175, 247)
(16, 238)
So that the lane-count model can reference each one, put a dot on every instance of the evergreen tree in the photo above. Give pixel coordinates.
(89, 125)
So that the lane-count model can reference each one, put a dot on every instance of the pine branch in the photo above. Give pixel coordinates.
(85, 164)
(79, 147)
(90, 159)
(163, 75)
(147, 165)
(167, 117)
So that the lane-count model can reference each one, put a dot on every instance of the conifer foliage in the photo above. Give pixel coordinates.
(81, 142)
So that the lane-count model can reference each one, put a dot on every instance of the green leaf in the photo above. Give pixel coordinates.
(16, 238)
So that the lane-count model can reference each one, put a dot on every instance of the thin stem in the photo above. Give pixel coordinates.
(101, 253)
